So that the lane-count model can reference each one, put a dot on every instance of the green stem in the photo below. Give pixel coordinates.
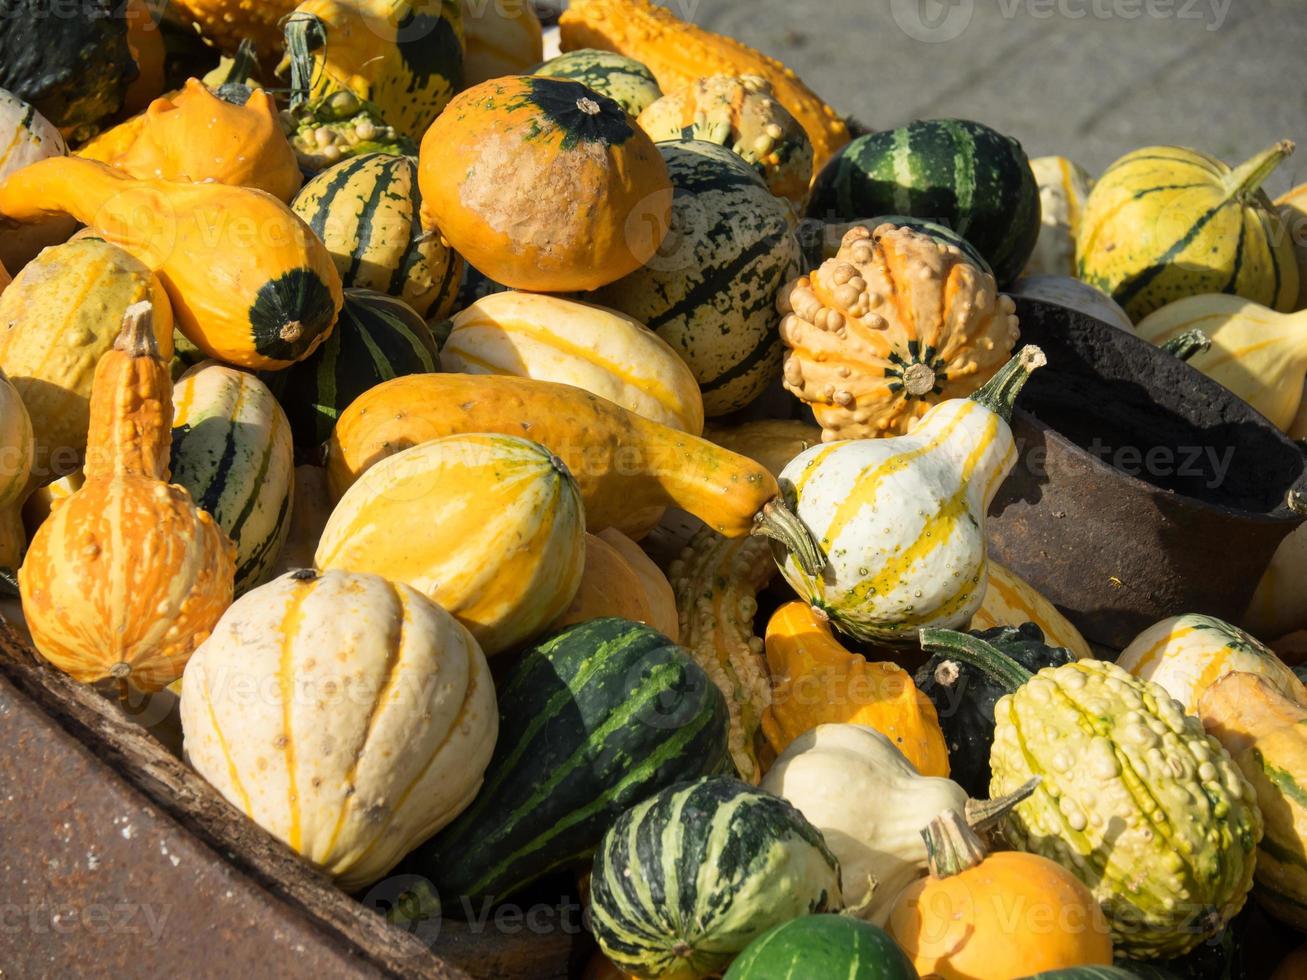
(975, 652)
(305, 33)
(242, 64)
(778, 522)
(951, 846)
(1248, 176)
(1188, 344)
(999, 393)
(981, 815)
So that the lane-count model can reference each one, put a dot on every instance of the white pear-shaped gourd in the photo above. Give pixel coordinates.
(1063, 187)
(1257, 353)
(900, 522)
(349, 716)
(871, 806)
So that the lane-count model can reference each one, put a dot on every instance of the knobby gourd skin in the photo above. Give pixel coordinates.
(128, 575)
(228, 22)
(371, 725)
(622, 463)
(489, 526)
(250, 283)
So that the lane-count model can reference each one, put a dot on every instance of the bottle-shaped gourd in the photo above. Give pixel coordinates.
(901, 521)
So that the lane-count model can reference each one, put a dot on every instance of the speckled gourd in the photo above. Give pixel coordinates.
(895, 323)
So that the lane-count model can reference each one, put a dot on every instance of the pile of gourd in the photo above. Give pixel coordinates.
(354, 390)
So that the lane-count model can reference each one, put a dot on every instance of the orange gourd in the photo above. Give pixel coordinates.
(146, 45)
(609, 587)
(816, 681)
(128, 575)
(999, 916)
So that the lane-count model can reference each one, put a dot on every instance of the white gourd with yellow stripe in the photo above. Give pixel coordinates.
(27, 137)
(548, 338)
(491, 527)
(1257, 353)
(1063, 187)
(1010, 601)
(901, 521)
(1279, 606)
(1292, 206)
(373, 723)
(1188, 654)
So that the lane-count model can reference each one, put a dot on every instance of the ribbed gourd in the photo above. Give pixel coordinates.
(489, 526)
(127, 576)
(1166, 222)
(894, 324)
(550, 338)
(231, 448)
(741, 113)
(1257, 353)
(368, 212)
(900, 522)
(18, 447)
(250, 284)
(822, 946)
(1146, 809)
(624, 80)
(710, 291)
(611, 586)
(60, 315)
(684, 880)
(1063, 187)
(374, 721)
(825, 244)
(1185, 655)
(403, 56)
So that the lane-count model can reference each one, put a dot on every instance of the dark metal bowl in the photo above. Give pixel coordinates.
(1144, 489)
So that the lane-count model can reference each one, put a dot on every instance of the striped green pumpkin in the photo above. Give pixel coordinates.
(823, 946)
(1165, 222)
(624, 80)
(376, 338)
(231, 448)
(591, 721)
(711, 290)
(684, 881)
(367, 211)
(954, 172)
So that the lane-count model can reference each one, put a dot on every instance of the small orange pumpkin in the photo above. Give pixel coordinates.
(543, 184)
(127, 576)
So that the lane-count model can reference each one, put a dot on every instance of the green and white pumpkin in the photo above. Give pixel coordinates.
(684, 881)
(231, 448)
(367, 211)
(823, 946)
(376, 338)
(955, 172)
(1074, 294)
(1063, 187)
(624, 80)
(710, 291)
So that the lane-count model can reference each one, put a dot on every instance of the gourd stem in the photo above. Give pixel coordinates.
(975, 652)
(304, 35)
(1188, 344)
(778, 522)
(1248, 176)
(951, 846)
(242, 64)
(1296, 501)
(137, 335)
(999, 393)
(981, 815)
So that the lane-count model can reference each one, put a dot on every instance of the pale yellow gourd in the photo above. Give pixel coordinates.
(1257, 353)
(1010, 601)
(16, 453)
(1292, 206)
(1279, 606)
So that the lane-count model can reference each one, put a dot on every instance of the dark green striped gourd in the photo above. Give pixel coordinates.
(591, 721)
(954, 172)
(823, 946)
(684, 881)
(231, 448)
(710, 292)
(367, 211)
(376, 338)
(624, 80)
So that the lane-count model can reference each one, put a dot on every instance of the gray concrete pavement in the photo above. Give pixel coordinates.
(1088, 79)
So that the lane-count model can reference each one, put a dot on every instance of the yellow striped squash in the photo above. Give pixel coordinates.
(1010, 601)
(1187, 654)
(1279, 606)
(1257, 353)
(1292, 206)
(491, 527)
(57, 319)
(1166, 222)
(1063, 187)
(17, 446)
(348, 716)
(901, 520)
(548, 338)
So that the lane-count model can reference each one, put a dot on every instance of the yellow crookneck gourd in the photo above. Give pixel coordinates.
(1257, 353)
(127, 576)
(816, 681)
(250, 283)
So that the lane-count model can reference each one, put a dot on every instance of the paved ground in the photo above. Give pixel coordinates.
(1089, 79)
